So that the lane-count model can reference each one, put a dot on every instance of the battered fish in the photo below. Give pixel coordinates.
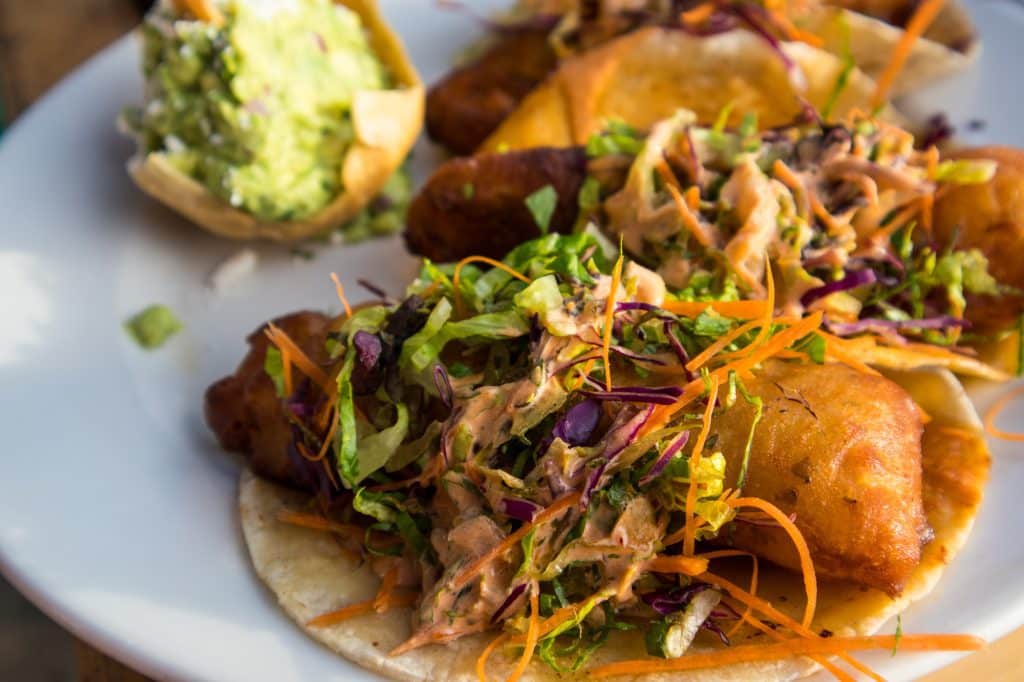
(989, 217)
(244, 411)
(468, 104)
(841, 450)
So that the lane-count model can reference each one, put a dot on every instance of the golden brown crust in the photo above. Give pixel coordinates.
(841, 450)
(649, 74)
(468, 104)
(476, 205)
(244, 411)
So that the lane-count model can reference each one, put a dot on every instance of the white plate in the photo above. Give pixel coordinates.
(117, 511)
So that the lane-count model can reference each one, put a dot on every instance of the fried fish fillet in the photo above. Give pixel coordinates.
(989, 217)
(468, 104)
(244, 411)
(477, 205)
(840, 450)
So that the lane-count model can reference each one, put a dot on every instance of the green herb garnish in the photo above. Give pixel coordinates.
(152, 327)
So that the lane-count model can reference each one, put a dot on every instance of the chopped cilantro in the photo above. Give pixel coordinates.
(711, 324)
(542, 204)
(152, 327)
(468, 191)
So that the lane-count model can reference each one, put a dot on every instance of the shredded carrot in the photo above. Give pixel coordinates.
(472, 570)
(839, 674)
(698, 15)
(203, 10)
(531, 636)
(746, 310)
(869, 188)
(286, 371)
(786, 649)
(626, 582)
(927, 208)
(285, 344)
(609, 322)
(341, 294)
(481, 662)
(931, 159)
(328, 438)
(702, 234)
(693, 197)
(721, 342)
(457, 275)
(922, 18)
(564, 614)
(792, 32)
(993, 413)
(799, 543)
(835, 348)
(799, 329)
(698, 449)
(819, 210)
(359, 609)
(905, 215)
(685, 565)
(316, 522)
(786, 175)
(387, 587)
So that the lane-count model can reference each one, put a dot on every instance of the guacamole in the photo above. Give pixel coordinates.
(257, 110)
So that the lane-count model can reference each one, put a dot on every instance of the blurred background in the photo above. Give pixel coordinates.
(41, 41)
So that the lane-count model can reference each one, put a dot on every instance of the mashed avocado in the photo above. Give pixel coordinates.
(258, 109)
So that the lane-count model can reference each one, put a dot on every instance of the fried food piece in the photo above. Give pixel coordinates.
(841, 450)
(989, 217)
(244, 411)
(468, 104)
(476, 205)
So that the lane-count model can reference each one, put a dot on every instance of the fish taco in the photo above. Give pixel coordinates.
(557, 463)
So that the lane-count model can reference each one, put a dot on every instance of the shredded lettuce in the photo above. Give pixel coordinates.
(274, 367)
(966, 171)
(543, 299)
(346, 438)
(422, 350)
(374, 451)
(542, 205)
(616, 138)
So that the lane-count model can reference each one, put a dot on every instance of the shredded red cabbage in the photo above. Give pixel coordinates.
(886, 327)
(852, 280)
(677, 348)
(673, 448)
(622, 433)
(516, 592)
(660, 395)
(520, 509)
(576, 427)
(373, 289)
(444, 386)
(713, 627)
(673, 600)
(635, 357)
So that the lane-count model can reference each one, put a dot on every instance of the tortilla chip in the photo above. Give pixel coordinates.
(310, 575)
(647, 75)
(949, 46)
(898, 358)
(386, 124)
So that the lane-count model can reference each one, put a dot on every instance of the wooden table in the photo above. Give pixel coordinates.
(42, 40)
